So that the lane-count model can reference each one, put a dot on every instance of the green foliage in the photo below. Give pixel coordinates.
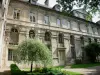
(33, 50)
(49, 71)
(92, 51)
(43, 71)
(15, 70)
(89, 5)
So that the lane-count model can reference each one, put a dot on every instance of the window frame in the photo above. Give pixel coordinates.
(32, 34)
(16, 14)
(47, 36)
(10, 55)
(46, 19)
(58, 23)
(61, 38)
(32, 17)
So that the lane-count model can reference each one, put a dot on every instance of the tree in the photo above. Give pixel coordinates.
(90, 5)
(92, 51)
(33, 50)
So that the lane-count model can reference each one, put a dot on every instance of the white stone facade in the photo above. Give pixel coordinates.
(70, 29)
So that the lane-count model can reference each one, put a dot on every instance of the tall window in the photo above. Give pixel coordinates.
(61, 38)
(89, 40)
(82, 40)
(10, 55)
(58, 22)
(72, 39)
(46, 19)
(32, 17)
(47, 36)
(14, 36)
(31, 34)
(95, 40)
(65, 24)
(16, 14)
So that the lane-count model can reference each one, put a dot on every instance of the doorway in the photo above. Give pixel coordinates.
(62, 57)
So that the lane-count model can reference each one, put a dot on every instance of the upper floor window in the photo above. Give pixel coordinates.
(90, 30)
(95, 30)
(31, 34)
(46, 19)
(16, 14)
(14, 36)
(75, 26)
(61, 38)
(32, 17)
(47, 36)
(83, 28)
(58, 22)
(65, 24)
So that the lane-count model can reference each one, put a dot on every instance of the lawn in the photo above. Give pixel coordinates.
(85, 65)
(73, 73)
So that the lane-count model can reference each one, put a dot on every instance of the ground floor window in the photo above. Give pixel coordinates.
(10, 54)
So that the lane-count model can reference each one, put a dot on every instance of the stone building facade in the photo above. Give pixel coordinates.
(65, 35)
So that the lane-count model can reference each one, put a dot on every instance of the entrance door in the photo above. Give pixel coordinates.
(62, 57)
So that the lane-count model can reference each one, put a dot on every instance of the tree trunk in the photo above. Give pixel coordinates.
(31, 66)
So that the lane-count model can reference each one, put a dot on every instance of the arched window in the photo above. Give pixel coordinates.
(14, 36)
(61, 38)
(47, 36)
(31, 34)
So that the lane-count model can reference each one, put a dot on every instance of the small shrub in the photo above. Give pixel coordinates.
(15, 70)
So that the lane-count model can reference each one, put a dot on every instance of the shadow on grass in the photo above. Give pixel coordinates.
(85, 65)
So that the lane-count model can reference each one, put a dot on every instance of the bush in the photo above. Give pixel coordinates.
(15, 70)
(92, 51)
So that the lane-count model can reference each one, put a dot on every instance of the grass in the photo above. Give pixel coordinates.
(73, 73)
(85, 65)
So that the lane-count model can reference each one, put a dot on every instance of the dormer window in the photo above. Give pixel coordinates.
(46, 19)
(16, 14)
(32, 17)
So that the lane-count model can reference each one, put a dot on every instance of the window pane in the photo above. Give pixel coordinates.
(16, 14)
(10, 55)
(14, 36)
(65, 24)
(31, 34)
(32, 17)
(46, 20)
(58, 22)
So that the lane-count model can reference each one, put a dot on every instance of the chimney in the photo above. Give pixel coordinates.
(46, 2)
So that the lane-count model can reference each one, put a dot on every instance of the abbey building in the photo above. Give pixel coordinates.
(64, 34)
